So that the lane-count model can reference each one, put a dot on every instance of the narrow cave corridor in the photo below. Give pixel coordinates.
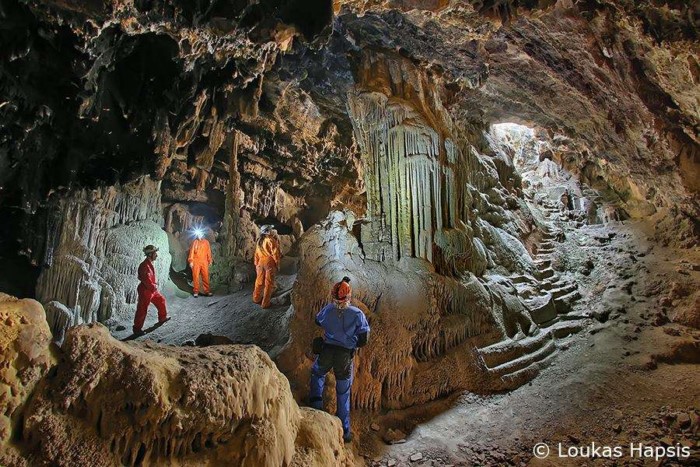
(482, 218)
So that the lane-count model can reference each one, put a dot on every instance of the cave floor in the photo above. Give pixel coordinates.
(629, 376)
(231, 315)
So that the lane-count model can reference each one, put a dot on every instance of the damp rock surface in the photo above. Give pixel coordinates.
(369, 133)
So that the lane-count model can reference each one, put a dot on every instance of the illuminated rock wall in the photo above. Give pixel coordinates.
(95, 241)
(425, 326)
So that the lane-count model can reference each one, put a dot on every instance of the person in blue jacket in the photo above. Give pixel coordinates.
(345, 329)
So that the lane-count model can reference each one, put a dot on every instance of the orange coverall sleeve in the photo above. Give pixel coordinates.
(278, 252)
(190, 256)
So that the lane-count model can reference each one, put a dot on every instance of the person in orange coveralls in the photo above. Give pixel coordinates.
(267, 263)
(148, 291)
(200, 260)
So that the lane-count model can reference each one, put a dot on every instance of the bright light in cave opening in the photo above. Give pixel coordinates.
(514, 129)
(517, 137)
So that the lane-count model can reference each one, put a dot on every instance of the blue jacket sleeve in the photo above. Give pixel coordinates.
(362, 326)
(321, 315)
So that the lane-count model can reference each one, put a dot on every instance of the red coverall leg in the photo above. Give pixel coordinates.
(146, 297)
(200, 270)
(264, 282)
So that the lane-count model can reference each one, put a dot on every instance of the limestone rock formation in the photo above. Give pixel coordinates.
(94, 247)
(129, 122)
(25, 358)
(106, 402)
(425, 326)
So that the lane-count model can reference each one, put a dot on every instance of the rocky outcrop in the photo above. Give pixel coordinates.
(94, 248)
(283, 112)
(25, 358)
(428, 187)
(272, 113)
(106, 402)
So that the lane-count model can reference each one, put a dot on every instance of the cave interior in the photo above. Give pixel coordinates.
(512, 187)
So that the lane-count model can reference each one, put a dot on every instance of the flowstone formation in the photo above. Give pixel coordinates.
(365, 131)
(280, 112)
(104, 402)
(199, 98)
(428, 187)
(93, 250)
(438, 262)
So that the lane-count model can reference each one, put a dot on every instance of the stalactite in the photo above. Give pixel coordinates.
(414, 181)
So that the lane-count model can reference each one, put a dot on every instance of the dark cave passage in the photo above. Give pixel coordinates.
(310, 16)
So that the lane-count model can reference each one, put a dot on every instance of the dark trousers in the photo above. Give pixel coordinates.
(340, 360)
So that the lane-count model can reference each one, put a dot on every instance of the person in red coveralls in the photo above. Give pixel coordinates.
(148, 292)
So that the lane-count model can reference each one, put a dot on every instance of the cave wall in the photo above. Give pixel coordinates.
(617, 79)
(425, 325)
(277, 113)
(184, 93)
(25, 359)
(242, 110)
(94, 247)
(428, 187)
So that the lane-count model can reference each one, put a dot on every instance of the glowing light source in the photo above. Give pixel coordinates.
(198, 232)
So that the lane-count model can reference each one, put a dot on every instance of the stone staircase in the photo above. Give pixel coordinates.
(515, 362)
(549, 299)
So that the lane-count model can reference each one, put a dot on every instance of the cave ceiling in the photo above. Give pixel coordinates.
(104, 91)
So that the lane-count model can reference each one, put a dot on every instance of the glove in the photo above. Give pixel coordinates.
(317, 345)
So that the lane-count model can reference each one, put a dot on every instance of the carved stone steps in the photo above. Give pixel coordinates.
(524, 361)
(498, 354)
(564, 290)
(546, 273)
(522, 279)
(564, 328)
(526, 291)
(542, 308)
(564, 303)
(572, 316)
(528, 373)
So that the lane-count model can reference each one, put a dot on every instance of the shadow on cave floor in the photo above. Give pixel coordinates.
(231, 315)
